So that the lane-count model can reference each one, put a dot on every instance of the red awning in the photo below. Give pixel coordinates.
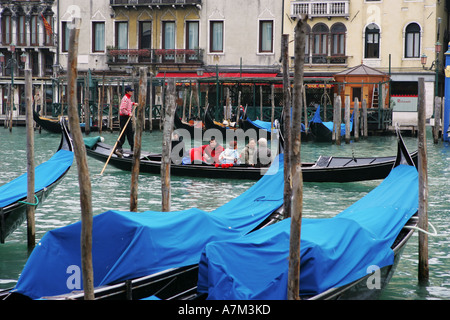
(213, 74)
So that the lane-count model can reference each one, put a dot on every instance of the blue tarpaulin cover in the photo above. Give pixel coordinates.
(267, 125)
(329, 124)
(45, 174)
(334, 251)
(127, 245)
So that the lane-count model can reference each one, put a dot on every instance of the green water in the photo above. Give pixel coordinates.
(111, 191)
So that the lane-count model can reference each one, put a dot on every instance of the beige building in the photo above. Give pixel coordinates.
(393, 37)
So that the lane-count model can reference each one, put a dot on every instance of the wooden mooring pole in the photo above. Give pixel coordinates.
(167, 144)
(150, 98)
(364, 127)
(140, 118)
(437, 119)
(295, 163)
(423, 187)
(31, 228)
(336, 135)
(347, 119)
(83, 169)
(356, 119)
(287, 126)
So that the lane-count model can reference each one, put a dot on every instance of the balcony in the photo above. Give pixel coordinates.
(320, 9)
(157, 3)
(186, 57)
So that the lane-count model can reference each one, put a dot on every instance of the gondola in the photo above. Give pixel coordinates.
(325, 169)
(350, 256)
(13, 195)
(257, 125)
(53, 125)
(194, 131)
(323, 131)
(210, 123)
(144, 255)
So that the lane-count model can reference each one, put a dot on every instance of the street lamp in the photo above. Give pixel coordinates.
(423, 60)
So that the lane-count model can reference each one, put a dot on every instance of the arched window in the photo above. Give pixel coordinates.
(319, 45)
(412, 41)
(6, 37)
(21, 30)
(372, 41)
(307, 43)
(338, 31)
(320, 39)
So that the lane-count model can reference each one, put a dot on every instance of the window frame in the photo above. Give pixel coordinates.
(21, 30)
(34, 22)
(261, 37)
(48, 40)
(211, 37)
(370, 50)
(141, 29)
(94, 36)
(6, 22)
(163, 34)
(65, 34)
(187, 37)
(415, 34)
(320, 35)
(342, 37)
(116, 36)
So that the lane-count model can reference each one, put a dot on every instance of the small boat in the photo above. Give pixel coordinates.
(210, 123)
(53, 125)
(247, 124)
(13, 195)
(350, 256)
(323, 131)
(257, 125)
(144, 251)
(192, 129)
(324, 169)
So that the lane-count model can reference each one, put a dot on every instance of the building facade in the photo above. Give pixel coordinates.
(197, 38)
(26, 42)
(400, 38)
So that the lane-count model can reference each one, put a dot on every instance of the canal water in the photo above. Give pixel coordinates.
(112, 191)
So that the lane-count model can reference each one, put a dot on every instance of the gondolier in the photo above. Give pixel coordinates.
(125, 112)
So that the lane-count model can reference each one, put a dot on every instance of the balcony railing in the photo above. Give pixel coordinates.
(316, 9)
(154, 2)
(22, 40)
(155, 56)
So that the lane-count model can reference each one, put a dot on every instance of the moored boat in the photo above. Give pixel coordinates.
(53, 125)
(350, 256)
(194, 129)
(144, 247)
(13, 194)
(321, 131)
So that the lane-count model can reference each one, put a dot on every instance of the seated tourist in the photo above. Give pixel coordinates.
(230, 155)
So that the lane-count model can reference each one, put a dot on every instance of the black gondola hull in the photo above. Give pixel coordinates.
(152, 164)
(53, 126)
(13, 215)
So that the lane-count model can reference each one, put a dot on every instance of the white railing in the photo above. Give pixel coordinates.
(315, 8)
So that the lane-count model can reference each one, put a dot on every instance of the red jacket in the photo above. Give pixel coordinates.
(126, 105)
(213, 153)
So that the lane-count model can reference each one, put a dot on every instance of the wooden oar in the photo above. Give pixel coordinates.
(114, 148)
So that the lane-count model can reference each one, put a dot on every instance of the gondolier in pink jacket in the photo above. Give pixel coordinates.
(125, 113)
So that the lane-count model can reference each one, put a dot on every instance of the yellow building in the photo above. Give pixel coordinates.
(395, 37)
(164, 36)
